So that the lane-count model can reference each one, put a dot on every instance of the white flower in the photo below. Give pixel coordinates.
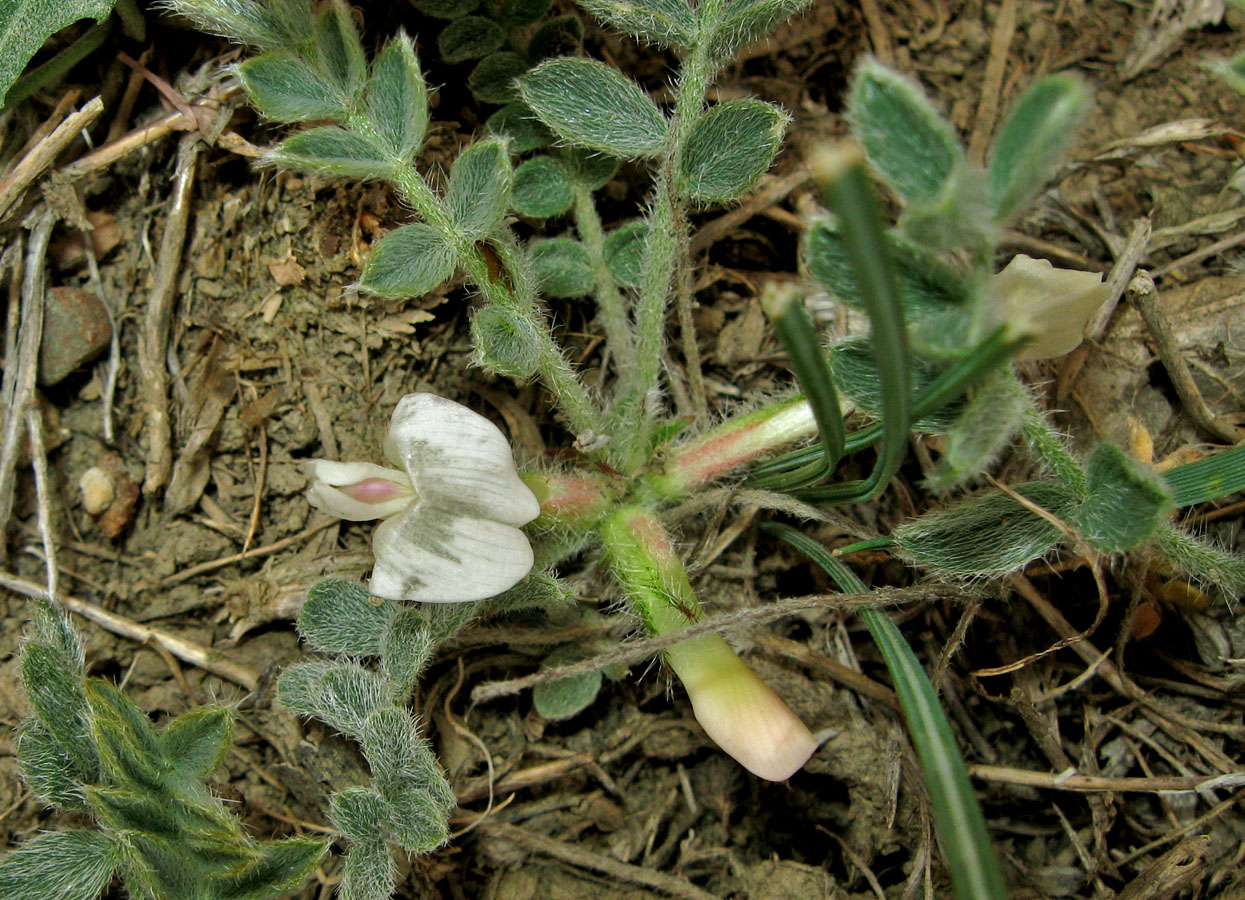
(451, 530)
(1051, 304)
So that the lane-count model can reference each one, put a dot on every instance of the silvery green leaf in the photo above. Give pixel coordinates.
(1033, 140)
(408, 262)
(283, 88)
(986, 536)
(59, 865)
(47, 769)
(26, 24)
(342, 617)
(405, 773)
(340, 694)
(1127, 502)
(478, 193)
(359, 813)
(332, 151)
(985, 428)
(506, 343)
(541, 188)
(907, 141)
(562, 267)
(469, 38)
(493, 79)
(272, 25)
(624, 253)
(856, 374)
(522, 12)
(282, 866)
(337, 48)
(927, 286)
(397, 99)
(368, 871)
(741, 22)
(566, 697)
(560, 36)
(729, 148)
(666, 23)
(407, 648)
(592, 168)
(55, 691)
(195, 743)
(445, 9)
(588, 104)
(520, 126)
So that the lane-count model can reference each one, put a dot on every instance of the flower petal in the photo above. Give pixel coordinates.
(431, 554)
(739, 711)
(458, 459)
(328, 476)
(1053, 304)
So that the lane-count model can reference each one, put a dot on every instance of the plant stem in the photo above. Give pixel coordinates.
(610, 300)
(555, 369)
(1052, 452)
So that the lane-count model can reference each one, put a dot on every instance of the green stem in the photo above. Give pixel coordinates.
(1052, 452)
(610, 300)
(555, 369)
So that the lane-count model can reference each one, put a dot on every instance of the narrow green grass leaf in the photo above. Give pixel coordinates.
(965, 841)
(1208, 479)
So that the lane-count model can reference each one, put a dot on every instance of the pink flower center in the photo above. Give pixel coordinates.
(374, 490)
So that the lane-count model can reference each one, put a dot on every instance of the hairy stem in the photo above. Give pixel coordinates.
(610, 300)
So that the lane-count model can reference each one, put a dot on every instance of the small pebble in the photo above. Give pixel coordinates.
(97, 489)
(75, 331)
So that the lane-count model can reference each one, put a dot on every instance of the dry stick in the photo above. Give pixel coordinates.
(595, 862)
(770, 194)
(39, 461)
(187, 651)
(1174, 723)
(156, 320)
(21, 394)
(642, 649)
(1093, 783)
(1217, 810)
(183, 575)
(992, 81)
(831, 668)
(879, 34)
(1196, 256)
(1145, 295)
(34, 163)
(1121, 274)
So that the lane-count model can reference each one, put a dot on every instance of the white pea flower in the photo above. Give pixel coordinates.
(1052, 304)
(451, 512)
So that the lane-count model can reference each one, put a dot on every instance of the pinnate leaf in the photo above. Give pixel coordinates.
(329, 150)
(666, 23)
(60, 865)
(1032, 142)
(520, 126)
(743, 21)
(469, 38)
(47, 769)
(284, 89)
(541, 188)
(588, 104)
(340, 694)
(730, 147)
(522, 12)
(338, 49)
(282, 866)
(26, 24)
(408, 262)
(478, 193)
(907, 141)
(1127, 502)
(397, 99)
(624, 253)
(493, 79)
(560, 36)
(566, 697)
(590, 167)
(342, 617)
(445, 9)
(562, 267)
(196, 742)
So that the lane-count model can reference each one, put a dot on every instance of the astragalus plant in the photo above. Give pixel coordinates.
(454, 543)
